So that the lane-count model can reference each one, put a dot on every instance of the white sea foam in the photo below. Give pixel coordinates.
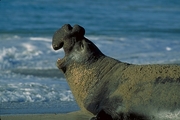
(41, 39)
(20, 88)
(26, 53)
(29, 47)
(168, 49)
(37, 53)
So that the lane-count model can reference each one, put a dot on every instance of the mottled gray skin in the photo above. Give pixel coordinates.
(111, 89)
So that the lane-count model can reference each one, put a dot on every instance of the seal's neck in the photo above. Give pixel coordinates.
(86, 78)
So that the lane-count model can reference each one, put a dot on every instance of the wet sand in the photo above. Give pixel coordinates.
(69, 116)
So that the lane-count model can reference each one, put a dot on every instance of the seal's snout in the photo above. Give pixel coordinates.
(65, 36)
(60, 35)
(57, 46)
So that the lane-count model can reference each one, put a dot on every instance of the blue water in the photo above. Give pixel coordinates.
(138, 32)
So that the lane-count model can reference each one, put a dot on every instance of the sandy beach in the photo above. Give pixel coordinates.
(69, 116)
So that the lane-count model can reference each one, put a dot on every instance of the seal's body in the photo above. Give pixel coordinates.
(111, 89)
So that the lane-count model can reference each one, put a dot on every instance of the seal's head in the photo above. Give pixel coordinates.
(76, 47)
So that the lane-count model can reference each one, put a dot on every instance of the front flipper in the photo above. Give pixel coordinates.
(102, 115)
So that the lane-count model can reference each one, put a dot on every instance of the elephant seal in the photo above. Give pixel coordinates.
(111, 89)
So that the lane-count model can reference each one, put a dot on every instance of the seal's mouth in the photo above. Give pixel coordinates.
(76, 47)
(57, 47)
(66, 37)
(60, 63)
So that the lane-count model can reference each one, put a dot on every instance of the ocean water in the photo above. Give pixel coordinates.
(138, 32)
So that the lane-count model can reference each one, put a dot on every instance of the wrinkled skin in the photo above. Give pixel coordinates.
(111, 89)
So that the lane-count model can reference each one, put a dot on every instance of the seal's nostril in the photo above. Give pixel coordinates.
(58, 46)
(55, 47)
